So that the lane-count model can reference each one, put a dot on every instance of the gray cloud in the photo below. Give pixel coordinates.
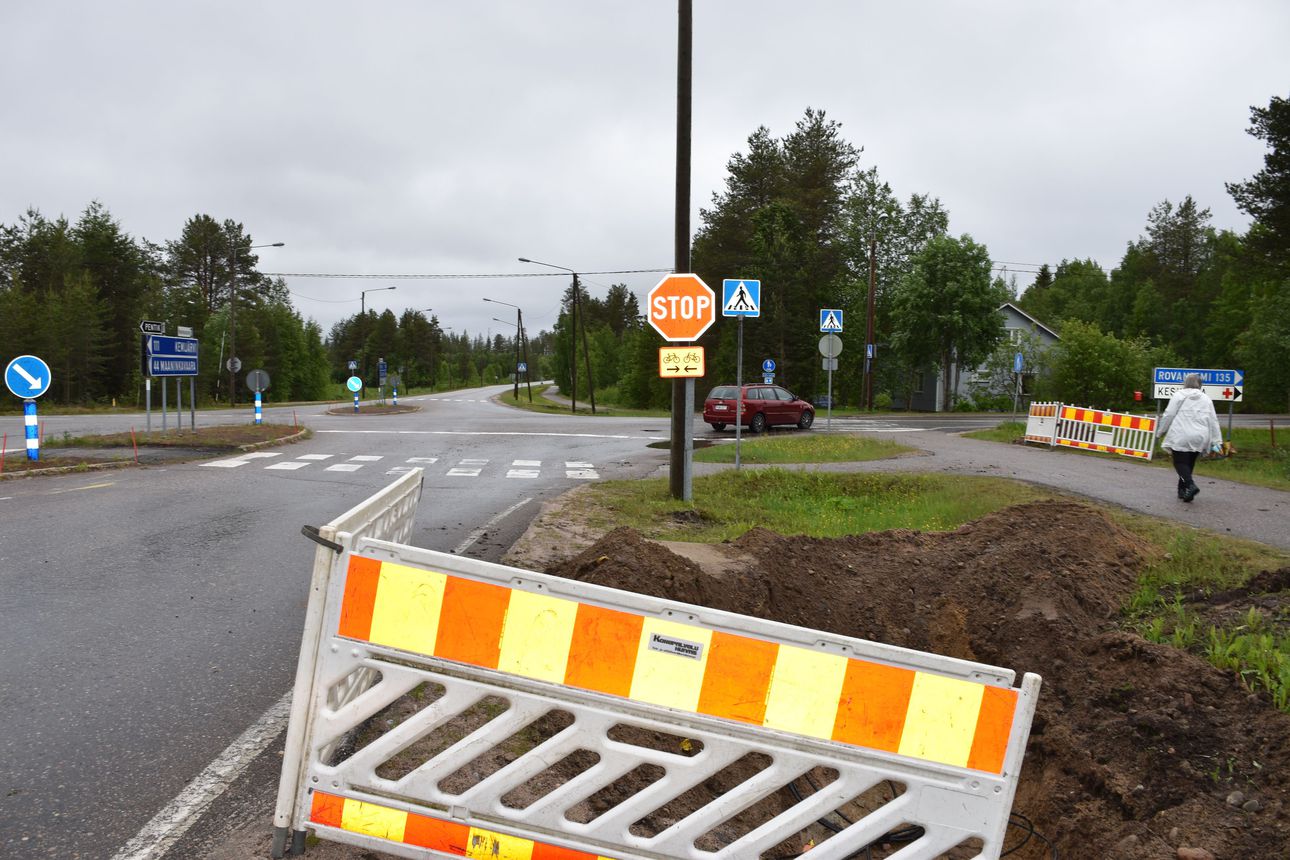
(455, 137)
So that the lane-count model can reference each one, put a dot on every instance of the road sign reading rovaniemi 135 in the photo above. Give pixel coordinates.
(681, 307)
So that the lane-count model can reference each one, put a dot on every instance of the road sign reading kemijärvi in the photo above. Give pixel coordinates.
(740, 298)
(831, 320)
(172, 356)
(27, 377)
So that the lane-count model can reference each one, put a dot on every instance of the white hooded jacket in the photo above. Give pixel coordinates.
(1190, 423)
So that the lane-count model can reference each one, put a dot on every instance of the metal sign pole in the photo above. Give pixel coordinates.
(687, 477)
(179, 405)
(147, 399)
(739, 393)
(828, 415)
(192, 403)
(165, 408)
(31, 427)
(1231, 404)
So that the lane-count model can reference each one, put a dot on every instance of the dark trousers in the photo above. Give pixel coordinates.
(1184, 463)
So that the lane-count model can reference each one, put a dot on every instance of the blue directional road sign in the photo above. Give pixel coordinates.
(1176, 375)
(768, 366)
(740, 297)
(831, 320)
(27, 376)
(172, 356)
(354, 384)
(1018, 362)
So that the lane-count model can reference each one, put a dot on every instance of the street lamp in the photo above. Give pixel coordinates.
(362, 314)
(586, 353)
(234, 364)
(519, 338)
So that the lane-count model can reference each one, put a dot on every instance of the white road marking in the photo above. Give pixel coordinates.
(173, 821)
(530, 463)
(231, 463)
(582, 474)
(256, 455)
(480, 532)
(522, 473)
(364, 458)
(423, 459)
(464, 473)
(577, 465)
(399, 470)
(497, 433)
(290, 465)
(315, 457)
(344, 467)
(473, 462)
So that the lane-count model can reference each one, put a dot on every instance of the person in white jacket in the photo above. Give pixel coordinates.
(1190, 428)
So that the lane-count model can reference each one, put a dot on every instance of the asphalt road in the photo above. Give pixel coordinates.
(151, 615)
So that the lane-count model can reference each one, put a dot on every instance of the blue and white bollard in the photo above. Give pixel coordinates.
(396, 397)
(33, 431)
(355, 402)
(259, 409)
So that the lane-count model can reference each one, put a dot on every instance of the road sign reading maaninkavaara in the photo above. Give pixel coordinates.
(172, 356)
(681, 307)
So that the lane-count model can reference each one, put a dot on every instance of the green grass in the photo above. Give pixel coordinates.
(218, 436)
(605, 407)
(816, 504)
(803, 448)
(1256, 461)
(1194, 563)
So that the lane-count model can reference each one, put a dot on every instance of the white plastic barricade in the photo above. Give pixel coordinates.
(1091, 429)
(388, 515)
(1041, 423)
(530, 696)
(1110, 432)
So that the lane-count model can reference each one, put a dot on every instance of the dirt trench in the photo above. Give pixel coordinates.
(1136, 751)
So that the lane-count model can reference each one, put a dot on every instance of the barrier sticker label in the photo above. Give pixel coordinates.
(679, 647)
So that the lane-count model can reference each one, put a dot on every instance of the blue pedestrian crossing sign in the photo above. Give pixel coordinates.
(740, 297)
(27, 376)
(831, 320)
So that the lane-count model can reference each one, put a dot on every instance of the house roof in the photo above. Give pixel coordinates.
(1031, 319)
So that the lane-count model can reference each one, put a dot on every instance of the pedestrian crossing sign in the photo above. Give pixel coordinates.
(740, 297)
(831, 320)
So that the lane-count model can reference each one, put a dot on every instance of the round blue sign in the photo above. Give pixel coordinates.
(768, 366)
(353, 383)
(27, 376)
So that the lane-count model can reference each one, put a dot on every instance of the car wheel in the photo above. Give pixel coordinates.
(758, 423)
(807, 419)
(718, 426)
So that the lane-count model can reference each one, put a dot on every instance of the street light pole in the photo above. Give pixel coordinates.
(232, 316)
(573, 365)
(519, 336)
(362, 315)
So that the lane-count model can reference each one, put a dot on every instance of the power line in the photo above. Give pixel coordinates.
(442, 277)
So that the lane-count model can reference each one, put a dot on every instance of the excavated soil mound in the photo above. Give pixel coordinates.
(1137, 750)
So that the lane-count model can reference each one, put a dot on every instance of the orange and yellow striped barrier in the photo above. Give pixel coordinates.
(437, 834)
(805, 691)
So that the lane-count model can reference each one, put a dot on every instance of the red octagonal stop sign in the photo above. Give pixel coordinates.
(681, 307)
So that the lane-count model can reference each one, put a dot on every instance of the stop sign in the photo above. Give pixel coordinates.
(681, 307)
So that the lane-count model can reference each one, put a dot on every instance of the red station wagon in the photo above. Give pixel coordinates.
(764, 406)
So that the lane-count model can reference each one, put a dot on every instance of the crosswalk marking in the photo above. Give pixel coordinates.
(577, 465)
(289, 465)
(255, 455)
(427, 460)
(525, 470)
(344, 467)
(463, 473)
(399, 470)
(523, 473)
(527, 463)
(582, 474)
(365, 458)
(315, 456)
(473, 463)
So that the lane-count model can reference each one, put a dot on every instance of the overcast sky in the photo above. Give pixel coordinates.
(453, 137)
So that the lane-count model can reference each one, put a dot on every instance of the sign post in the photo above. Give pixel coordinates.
(740, 298)
(830, 348)
(681, 307)
(1218, 385)
(1018, 362)
(258, 381)
(28, 377)
(354, 384)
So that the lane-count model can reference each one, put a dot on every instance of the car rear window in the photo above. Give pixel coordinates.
(723, 392)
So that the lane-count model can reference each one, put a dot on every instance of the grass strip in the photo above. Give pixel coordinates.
(803, 448)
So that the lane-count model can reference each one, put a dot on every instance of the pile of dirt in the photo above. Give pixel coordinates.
(1137, 750)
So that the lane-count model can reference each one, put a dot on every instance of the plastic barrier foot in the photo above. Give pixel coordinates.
(279, 843)
(297, 843)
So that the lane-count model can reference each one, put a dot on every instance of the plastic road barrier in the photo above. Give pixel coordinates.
(1092, 429)
(389, 515)
(898, 738)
